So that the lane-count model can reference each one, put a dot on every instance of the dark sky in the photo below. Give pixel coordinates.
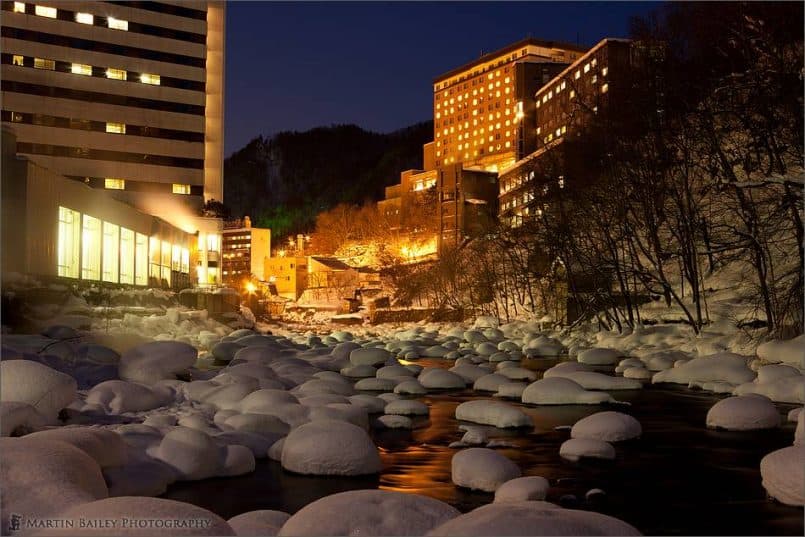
(294, 66)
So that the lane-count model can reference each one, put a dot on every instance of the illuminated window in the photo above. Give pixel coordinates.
(19, 7)
(594, 62)
(41, 63)
(81, 69)
(117, 24)
(114, 184)
(176, 258)
(166, 262)
(69, 243)
(84, 18)
(17, 60)
(185, 260)
(181, 189)
(213, 242)
(116, 74)
(91, 248)
(111, 252)
(578, 75)
(605, 88)
(44, 11)
(604, 71)
(116, 128)
(146, 78)
(127, 256)
(587, 68)
(572, 93)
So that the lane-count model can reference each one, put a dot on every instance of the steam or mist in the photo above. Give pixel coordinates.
(172, 210)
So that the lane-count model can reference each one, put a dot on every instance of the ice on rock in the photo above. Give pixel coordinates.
(105, 447)
(407, 407)
(258, 523)
(744, 413)
(369, 513)
(376, 384)
(135, 508)
(120, 396)
(44, 388)
(440, 379)
(783, 474)
(791, 352)
(494, 413)
(490, 382)
(410, 387)
(330, 447)
(18, 419)
(608, 426)
(509, 519)
(373, 356)
(562, 391)
(599, 356)
(522, 489)
(576, 448)
(482, 469)
(393, 421)
(158, 360)
(40, 478)
(723, 367)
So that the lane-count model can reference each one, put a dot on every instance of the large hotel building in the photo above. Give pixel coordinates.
(124, 101)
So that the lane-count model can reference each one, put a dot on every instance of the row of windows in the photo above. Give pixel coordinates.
(510, 58)
(100, 126)
(101, 98)
(110, 183)
(160, 7)
(91, 249)
(131, 185)
(110, 73)
(103, 21)
(106, 154)
(100, 46)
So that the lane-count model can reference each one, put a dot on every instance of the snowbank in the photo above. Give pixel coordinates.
(330, 447)
(369, 513)
(608, 426)
(482, 469)
(743, 413)
(494, 413)
(790, 351)
(724, 367)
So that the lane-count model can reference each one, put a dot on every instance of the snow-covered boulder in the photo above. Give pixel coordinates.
(799, 432)
(468, 371)
(40, 478)
(440, 379)
(508, 519)
(157, 360)
(145, 516)
(394, 421)
(410, 387)
(370, 403)
(599, 356)
(18, 419)
(359, 371)
(120, 396)
(563, 368)
(576, 448)
(723, 367)
(592, 380)
(482, 469)
(779, 383)
(407, 407)
(791, 351)
(194, 455)
(330, 447)
(373, 356)
(511, 390)
(369, 513)
(29, 382)
(743, 413)
(522, 489)
(608, 426)
(490, 382)
(494, 413)
(637, 373)
(105, 447)
(264, 522)
(543, 346)
(376, 385)
(562, 391)
(783, 472)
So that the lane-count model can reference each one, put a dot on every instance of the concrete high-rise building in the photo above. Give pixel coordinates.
(483, 112)
(122, 96)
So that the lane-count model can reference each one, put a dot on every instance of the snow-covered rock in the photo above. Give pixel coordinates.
(18, 419)
(608, 426)
(195, 455)
(394, 421)
(522, 489)
(494, 413)
(157, 360)
(599, 356)
(490, 382)
(791, 351)
(330, 447)
(743, 413)
(779, 383)
(508, 519)
(105, 447)
(264, 522)
(440, 379)
(511, 390)
(373, 356)
(410, 387)
(369, 513)
(637, 373)
(543, 346)
(576, 448)
(407, 407)
(145, 516)
(482, 469)
(562, 391)
(563, 368)
(783, 473)
(723, 367)
(799, 432)
(120, 396)
(592, 380)
(29, 382)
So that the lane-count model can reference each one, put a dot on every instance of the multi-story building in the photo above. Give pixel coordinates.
(123, 96)
(244, 251)
(595, 85)
(483, 111)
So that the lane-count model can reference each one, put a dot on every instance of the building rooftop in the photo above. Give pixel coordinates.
(581, 60)
(506, 50)
(332, 263)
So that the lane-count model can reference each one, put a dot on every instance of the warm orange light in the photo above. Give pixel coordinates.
(250, 287)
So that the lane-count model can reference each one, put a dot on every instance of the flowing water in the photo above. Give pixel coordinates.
(679, 478)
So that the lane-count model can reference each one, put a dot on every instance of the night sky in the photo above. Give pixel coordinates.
(294, 66)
